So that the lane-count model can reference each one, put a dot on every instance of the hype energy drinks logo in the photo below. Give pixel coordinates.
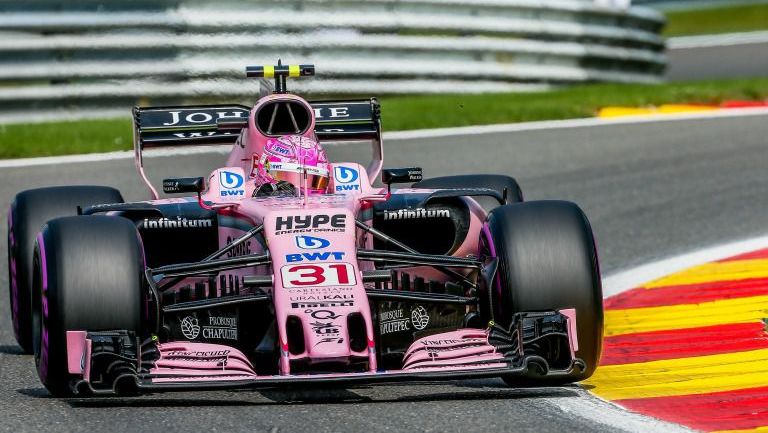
(232, 184)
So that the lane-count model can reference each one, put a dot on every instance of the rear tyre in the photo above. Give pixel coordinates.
(547, 261)
(496, 182)
(88, 277)
(28, 212)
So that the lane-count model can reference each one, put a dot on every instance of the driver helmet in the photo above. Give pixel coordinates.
(288, 157)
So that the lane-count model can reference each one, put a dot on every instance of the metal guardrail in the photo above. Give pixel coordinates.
(91, 53)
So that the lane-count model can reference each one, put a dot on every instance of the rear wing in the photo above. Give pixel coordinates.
(196, 125)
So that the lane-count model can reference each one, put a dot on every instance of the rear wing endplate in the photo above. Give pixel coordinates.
(196, 125)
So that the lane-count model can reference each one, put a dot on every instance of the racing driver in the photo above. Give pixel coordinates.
(286, 160)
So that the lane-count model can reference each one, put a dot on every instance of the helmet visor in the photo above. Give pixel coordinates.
(317, 178)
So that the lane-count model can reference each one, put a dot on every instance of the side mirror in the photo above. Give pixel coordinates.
(183, 184)
(231, 123)
(400, 175)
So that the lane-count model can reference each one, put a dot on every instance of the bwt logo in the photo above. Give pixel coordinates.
(297, 222)
(232, 183)
(311, 257)
(230, 180)
(280, 149)
(346, 175)
(311, 242)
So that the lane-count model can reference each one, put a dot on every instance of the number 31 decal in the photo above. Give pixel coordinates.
(319, 275)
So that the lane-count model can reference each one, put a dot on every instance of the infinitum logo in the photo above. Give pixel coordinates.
(178, 223)
(404, 214)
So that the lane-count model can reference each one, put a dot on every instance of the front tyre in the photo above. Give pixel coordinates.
(28, 212)
(547, 261)
(88, 276)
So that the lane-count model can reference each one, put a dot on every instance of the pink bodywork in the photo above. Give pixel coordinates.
(296, 282)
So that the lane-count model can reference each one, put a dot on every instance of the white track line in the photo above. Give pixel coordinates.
(64, 116)
(408, 135)
(721, 40)
(574, 123)
(635, 277)
(601, 412)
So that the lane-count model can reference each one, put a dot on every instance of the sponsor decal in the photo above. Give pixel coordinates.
(320, 290)
(230, 180)
(311, 242)
(200, 134)
(326, 297)
(447, 345)
(178, 223)
(318, 275)
(243, 249)
(216, 328)
(200, 117)
(450, 342)
(417, 213)
(220, 328)
(310, 223)
(323, 314)
(197, 354)
(339, 112)
(231, 185)
(336, 340)
(310, 305)
(313, 301)
(311, 257)
(393, 321)
(398, 320)
(219, 358)
(271, 166)
(321, 297)
(324, 327)
(419, 318)
(190, 328)
(346, 179)
(279, 149)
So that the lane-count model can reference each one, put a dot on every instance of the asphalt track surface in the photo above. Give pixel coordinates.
(651, 190)
(718, 62)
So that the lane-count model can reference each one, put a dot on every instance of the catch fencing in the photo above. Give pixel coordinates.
(61, 54)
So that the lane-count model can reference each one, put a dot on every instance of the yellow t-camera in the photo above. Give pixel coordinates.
(279, 72)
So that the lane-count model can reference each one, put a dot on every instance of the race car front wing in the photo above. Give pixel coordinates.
(116, 362)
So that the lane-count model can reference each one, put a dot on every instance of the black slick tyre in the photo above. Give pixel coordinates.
(88, 276)
(547, 261)
(28, 212)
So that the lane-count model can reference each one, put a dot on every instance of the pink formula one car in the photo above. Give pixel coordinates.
(283, 269)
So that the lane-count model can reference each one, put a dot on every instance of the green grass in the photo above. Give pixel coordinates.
(409, 112)
(742, 18)
(62, 138)
(412, 112)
